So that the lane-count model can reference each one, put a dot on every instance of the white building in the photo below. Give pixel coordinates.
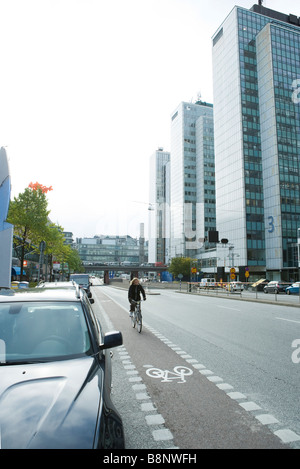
(192, 187)
(159, 230)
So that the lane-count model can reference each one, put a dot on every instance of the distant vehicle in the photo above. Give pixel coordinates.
(276, 286)
(293, 289)
(129, 263)
(83, 280)
(234, 286)
(55, 373)
(207, 283)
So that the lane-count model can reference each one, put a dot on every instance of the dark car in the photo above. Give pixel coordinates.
(55, 372)
(276, 286)
(83, 280)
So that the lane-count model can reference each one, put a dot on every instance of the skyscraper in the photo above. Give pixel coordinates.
(192, 189)
(159, 232)
(256, 69)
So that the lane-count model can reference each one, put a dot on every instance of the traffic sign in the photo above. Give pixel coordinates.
(194, 270)
(232, 276)
(247, 274)
(232, 270)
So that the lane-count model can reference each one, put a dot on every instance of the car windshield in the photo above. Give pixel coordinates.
(81, 280)
(40, 331)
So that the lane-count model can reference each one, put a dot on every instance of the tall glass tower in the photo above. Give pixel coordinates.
(257, 140)
(159, 232)
(192, 189)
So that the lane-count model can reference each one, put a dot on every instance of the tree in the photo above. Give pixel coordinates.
(73, 259)
(29, 215)
(180, 265)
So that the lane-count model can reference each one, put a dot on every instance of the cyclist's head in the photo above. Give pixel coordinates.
(135, 281)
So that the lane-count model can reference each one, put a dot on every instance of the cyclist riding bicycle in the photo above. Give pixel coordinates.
(134, 293)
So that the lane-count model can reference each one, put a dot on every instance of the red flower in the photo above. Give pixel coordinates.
(37, 186)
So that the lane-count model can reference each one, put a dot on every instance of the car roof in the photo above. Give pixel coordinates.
(41, 294)
(66, 284)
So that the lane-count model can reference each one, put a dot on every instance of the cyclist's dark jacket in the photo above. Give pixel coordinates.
(135, 291)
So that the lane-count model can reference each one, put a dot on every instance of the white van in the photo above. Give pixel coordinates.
(235, 286)
(207, 283)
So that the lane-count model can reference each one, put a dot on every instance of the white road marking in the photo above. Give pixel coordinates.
(266, 419)
(289, 320)
(227, 307)
(287, 436)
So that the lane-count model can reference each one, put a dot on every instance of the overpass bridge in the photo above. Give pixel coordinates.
(134, 270)
(124, 268)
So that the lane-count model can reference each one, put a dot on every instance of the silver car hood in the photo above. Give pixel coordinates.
(49, 405)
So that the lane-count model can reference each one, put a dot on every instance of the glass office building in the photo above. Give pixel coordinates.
(192, 186)
(110, 250)
(159, 199)
(257, 140)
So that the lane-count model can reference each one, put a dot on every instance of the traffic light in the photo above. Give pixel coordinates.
(213, 236)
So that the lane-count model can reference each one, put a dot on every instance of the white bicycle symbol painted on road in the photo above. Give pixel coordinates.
(166, 376)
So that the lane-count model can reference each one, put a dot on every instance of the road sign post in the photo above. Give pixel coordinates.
(180, 276)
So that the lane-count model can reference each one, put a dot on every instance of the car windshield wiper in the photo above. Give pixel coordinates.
(21, 362)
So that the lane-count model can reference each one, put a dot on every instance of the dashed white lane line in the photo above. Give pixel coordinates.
(288, 320)
(160, 433)
(285, 435)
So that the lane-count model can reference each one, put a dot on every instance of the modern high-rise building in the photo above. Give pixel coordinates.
(192, 188)
(159, 198)
(256, 72)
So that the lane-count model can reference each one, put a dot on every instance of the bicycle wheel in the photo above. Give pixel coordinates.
(139, 322)
(133, 319)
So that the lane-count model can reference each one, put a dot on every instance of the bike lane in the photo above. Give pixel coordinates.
(193, 408)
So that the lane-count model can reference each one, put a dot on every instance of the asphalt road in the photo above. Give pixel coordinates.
(205, 372)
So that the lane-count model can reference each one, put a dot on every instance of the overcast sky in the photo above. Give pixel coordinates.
(87, 91)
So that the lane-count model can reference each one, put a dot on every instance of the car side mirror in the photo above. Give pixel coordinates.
(112, 339)
(91, 300)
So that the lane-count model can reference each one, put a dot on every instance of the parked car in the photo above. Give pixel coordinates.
(293, 289)
(57, 284)
(276, 286)
(234, 286)
(55, 372)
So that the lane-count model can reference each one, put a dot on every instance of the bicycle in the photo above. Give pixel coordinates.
(136, 318)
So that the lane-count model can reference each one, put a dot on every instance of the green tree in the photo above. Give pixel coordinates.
(180, 265)
(29, 215)
(73, 259)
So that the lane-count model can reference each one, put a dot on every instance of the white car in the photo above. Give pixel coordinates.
(235, 286)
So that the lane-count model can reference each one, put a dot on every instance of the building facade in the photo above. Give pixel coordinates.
(159, 198)
(257, 140)
(192, 178)
(111, 250)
